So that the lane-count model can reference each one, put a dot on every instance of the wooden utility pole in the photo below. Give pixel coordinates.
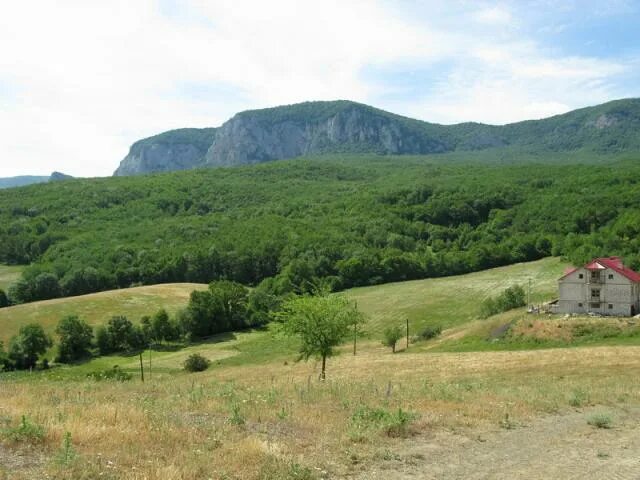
(141, 368)
(355, 332)
(407, 333)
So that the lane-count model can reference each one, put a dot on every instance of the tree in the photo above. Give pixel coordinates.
(45, 286)
(222, 308)
(4, 301)
(162, 329)
(28, 345)
(75, 339)
(119, 335)
(321, 322)
(391, 336)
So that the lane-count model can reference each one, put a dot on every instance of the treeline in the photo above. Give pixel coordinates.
(226, 306)
(288, 226)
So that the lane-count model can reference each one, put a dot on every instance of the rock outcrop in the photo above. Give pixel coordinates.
(315, 128)
(181, 149)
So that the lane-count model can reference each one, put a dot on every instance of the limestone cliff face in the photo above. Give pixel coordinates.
(174, 150)
(314, 128)
(259, 136)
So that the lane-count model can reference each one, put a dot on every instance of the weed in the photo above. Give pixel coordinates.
(282, 414)
(67, 454)
(579, 398)
(394, 424)
(600, 420)
(25, 432)
(236, 417)
(507, 422)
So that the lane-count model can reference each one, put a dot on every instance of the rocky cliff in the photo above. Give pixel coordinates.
(305, 129)
(314, 128)
(173, 150)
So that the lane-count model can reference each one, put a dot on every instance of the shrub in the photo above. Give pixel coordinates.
(512, 297)
(600, 420)
(196, 363)
(25, 432)
(430, 332)
(578, 398)
(391, 336)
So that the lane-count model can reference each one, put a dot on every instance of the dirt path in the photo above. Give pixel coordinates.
(555, 447)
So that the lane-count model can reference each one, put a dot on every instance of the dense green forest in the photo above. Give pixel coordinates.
(344, 221)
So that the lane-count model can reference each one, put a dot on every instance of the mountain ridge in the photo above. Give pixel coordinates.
(343, 126)
(24, 180)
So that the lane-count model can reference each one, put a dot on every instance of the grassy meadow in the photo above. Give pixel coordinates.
(97, 308)
(452, 301)
(9, 275)
(256, 413)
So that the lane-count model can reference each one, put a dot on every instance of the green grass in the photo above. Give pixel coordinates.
(9, 275)
(97, 308)
(451, 301)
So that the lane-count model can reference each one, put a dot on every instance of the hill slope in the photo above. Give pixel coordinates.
(313, 128)
(97, 308)
(352, 221)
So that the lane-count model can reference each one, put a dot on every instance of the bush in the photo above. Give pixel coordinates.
(512, 297)
(391, 336)
(196, 363)
(600, 420)
(430, 332)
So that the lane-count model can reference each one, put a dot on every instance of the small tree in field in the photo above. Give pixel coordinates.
(391, 337)
(75, 339)
(28, 345)
(321, 322)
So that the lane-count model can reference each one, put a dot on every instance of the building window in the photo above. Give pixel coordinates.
(595, 293)
(595, 276)
(610, 306)
(580, 305)
(581, 276)
(610, 276)
(594, 305)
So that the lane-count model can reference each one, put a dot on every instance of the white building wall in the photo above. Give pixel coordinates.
(618, 295)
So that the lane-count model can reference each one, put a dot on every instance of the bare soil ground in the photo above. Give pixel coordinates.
(26, 462)
(551, 447)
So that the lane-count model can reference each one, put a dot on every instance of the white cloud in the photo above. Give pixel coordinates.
(493, 16)
(81, 80)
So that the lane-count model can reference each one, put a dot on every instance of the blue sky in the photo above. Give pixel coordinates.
(82, 80)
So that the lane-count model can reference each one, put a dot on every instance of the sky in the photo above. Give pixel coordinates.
(81, 80)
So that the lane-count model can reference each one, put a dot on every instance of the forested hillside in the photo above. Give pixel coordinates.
(351, 221)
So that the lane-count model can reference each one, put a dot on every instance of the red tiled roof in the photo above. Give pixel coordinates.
(614, 263)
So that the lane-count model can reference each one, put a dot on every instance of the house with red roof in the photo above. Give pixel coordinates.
(604, 286)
